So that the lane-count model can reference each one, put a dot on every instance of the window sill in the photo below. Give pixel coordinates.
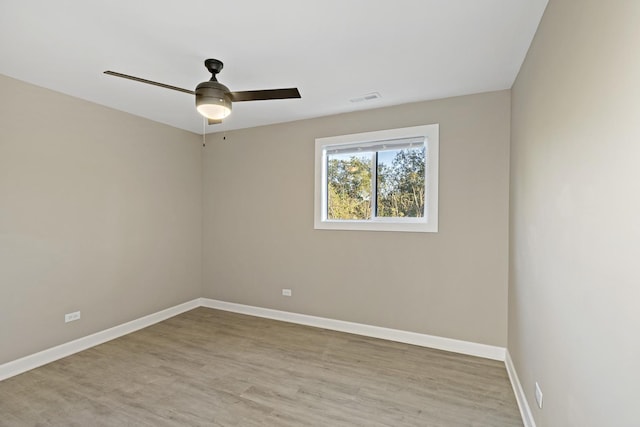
(402, 225)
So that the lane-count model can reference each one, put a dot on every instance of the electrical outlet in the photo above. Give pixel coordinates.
(286, 292)
(70, 317)
(538, 395)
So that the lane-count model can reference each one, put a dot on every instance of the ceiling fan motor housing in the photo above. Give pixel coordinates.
(213, 100)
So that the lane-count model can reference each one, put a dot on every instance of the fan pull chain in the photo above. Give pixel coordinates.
(204, 132)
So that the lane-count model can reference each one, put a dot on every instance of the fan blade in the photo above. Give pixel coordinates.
(261, 95)
(214, 122)
(150, 82)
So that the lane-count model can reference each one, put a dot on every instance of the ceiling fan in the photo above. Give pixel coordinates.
(213, 99)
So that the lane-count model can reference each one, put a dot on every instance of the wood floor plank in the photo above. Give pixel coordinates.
(212, 368)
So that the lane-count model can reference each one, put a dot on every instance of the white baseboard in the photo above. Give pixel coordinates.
(521, 398)
(423, 340)
(33, 361)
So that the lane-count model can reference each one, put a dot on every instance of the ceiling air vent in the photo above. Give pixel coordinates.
(368, 97)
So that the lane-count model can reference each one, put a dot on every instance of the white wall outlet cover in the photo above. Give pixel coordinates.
(286, 292)
(70, 317)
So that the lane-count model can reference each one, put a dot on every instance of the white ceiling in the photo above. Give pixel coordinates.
(332, 50)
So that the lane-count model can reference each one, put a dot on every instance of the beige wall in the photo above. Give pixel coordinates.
(100, 211)
(259, 236)
(574, 317)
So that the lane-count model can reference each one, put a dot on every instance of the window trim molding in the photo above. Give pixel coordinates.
(429, 223)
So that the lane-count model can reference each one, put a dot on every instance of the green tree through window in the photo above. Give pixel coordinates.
(349, 186)
(400, 185)
(400, 191)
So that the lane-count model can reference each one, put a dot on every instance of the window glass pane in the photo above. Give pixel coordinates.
(400, 183)
(349, 186)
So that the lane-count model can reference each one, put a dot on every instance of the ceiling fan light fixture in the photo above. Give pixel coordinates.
(213, 100)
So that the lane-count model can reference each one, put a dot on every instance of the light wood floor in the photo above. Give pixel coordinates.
(213, 368)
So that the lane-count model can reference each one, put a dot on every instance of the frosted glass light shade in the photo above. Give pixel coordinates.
(213, 111)
(213, 100)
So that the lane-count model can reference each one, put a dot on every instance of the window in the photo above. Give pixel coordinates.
(378, 181)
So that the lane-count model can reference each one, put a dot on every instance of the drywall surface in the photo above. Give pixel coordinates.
(259, 235)
(574, 289)
(100, 212)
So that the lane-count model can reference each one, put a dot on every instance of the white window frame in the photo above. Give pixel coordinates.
(428, 223)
